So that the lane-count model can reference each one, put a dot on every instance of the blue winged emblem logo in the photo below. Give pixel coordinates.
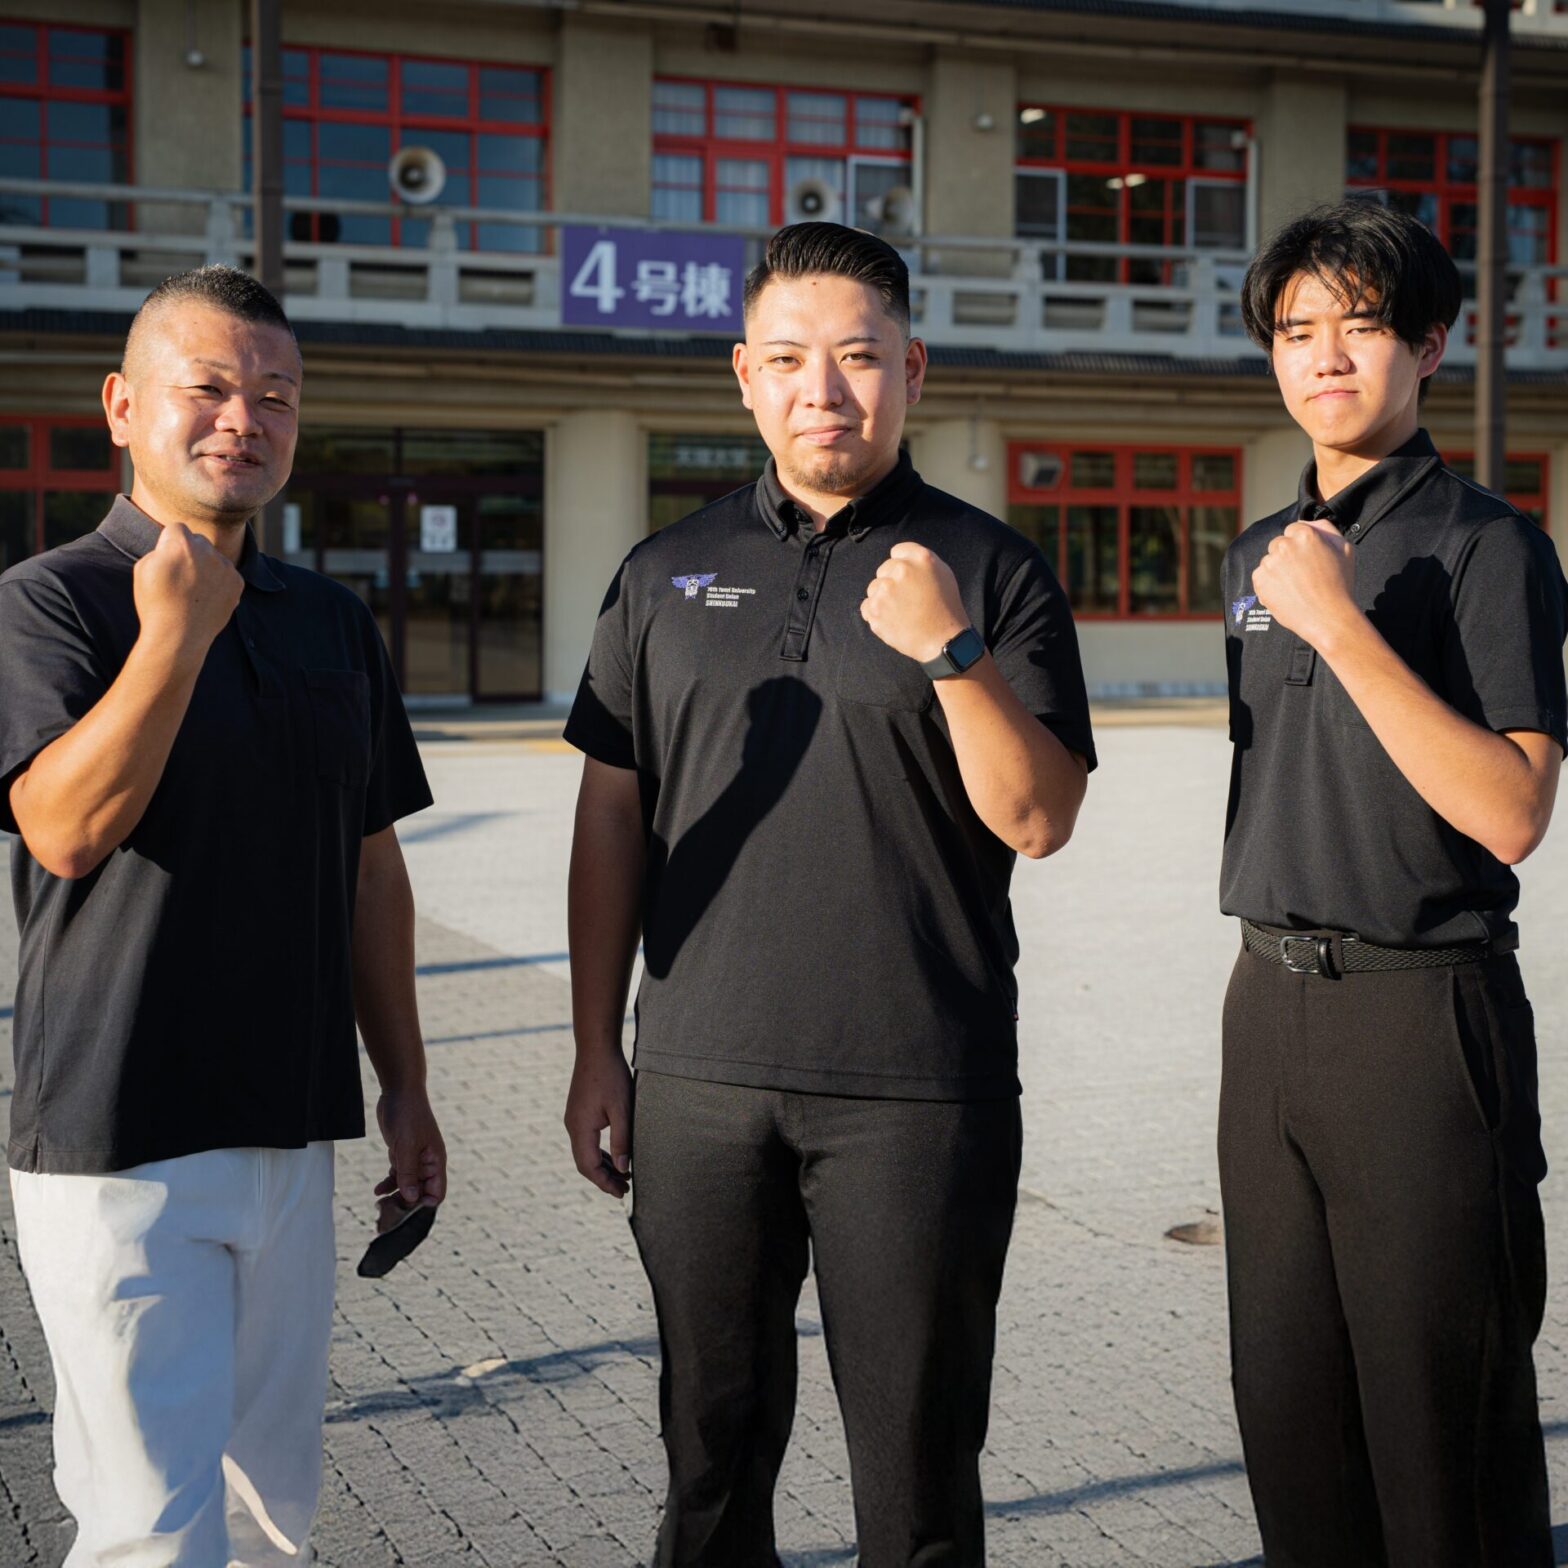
(694, 582)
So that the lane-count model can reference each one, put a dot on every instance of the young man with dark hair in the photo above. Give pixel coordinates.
(204, 752)
(1397, 700)
(821, 716)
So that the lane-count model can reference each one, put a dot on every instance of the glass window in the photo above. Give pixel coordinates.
(508, 94)
(18, 54)
(1411, 156)
(1154, 470)
(1211, 530)
(1093, 138)
(1092, 549)
(744, 114)
(1093, 471)
(435, 87)
(14, 446)
(1156, 141)
(1154, 559)
(1041, 525)
(1361, 158)
(1213, 471)
(1222, 148)
(1462, 155)
(1530, 164)
(353, 81)
(1037, 133)
(741, 192)
(817, 119)
(83, 58)
(677, 188)
(335, 451)
(1039, 197)
(879, 125)
(80, 448)
(680, 109)
(687, 471)
(471, 453)
(17, 527)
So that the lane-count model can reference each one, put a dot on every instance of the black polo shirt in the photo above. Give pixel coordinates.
(823, 910)
(193, 992)
(1323, 831)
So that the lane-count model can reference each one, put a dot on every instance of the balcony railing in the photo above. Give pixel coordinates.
(1013, 296)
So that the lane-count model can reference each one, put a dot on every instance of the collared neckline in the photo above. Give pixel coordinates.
(884, 502)
(130, 529)
(1365, 501)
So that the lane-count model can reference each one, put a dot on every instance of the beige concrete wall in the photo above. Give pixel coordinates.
(88, 13)
(766, 58)
(1557, 499)
(1300, 147)
(1271, 466)
(188, 119)
(970, 113)
(1074, 83)
(945, 452)
(519, 35)
(603, 117)
(595, 510)
(1153, 658)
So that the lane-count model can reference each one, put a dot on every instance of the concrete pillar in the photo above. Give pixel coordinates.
(602, 106)
(1300, 150)
(1557, 499)
(187, 117)
(969, 114)
(595, 510)
(1271, 467)
(946, 453)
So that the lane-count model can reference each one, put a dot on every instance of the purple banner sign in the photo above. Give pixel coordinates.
(650, 278)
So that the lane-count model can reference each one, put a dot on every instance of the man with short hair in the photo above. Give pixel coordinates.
(1395, 643)
(204, 752)
(822, 716)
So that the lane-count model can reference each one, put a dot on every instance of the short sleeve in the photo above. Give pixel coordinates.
(51, 675)
(600, 724)
(1035, 646)
(397, 786)
(1503, 656)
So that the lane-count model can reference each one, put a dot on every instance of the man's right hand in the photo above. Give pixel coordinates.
(185, 591)
(600, 1097)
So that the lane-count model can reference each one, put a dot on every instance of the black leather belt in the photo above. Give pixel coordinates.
(1335, 953)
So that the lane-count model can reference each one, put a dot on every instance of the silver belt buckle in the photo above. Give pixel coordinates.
(1318, 947)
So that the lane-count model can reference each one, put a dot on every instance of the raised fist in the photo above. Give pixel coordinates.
(185, 591)
(913, 603)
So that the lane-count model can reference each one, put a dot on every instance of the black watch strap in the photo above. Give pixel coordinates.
(956, 656)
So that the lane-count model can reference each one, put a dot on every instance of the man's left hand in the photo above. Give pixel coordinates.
(1306, 581)
(913, 603)
(416, 1154)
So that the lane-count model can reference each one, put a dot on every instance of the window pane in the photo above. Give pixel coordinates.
(515, 193)
(95, 61)
(509, 95)
(94, 124)
(1092, 137)
(1211, 530)
(361, 144)
(510, 154)
(687, 471)
(80, 448)
(741, 192)
(1530, 164)
(1154, 470)
(19, 55)
(13, 446)
(453, 148)
(1462, 154)
(435, 87)
(744, 114)
(1524, 476)
(1421, 205)
(1039, 211)
(332, 451)
(472, 453)
(677, 188)
(1529, 239)
(68, 514)
(1221, 147)
(21, 155)
(1213, 471)
(16, 527)
(1092, 577)
(680, 109)
(1219, 216)
(353, 81)
(1093, 470)
(1411, 157)
(296, 77)
(878, 127)
(1039, 524)
(817, 119)
(1037, 133)
(1093, 215)
(1361, 156)
(1153, 559)
(1156, 141)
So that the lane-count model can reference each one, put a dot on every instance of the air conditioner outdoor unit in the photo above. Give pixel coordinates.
(893, 212)
(813, 201)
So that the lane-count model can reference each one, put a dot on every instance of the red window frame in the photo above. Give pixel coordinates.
(40, 478)
(45, 93)
(711, 147)
(1449, 192)
(396, 120)
(1124, 164)
(1526, 500)
(1124, 495)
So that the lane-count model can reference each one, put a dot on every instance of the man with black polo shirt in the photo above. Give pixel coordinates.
(1397, 705)
(204, 752)
(821, 717)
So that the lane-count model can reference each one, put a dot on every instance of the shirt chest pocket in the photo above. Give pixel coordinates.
(871, 673)
(340, 720)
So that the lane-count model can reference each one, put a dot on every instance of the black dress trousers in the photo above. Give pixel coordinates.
(1380, 1154)
(905, 1209)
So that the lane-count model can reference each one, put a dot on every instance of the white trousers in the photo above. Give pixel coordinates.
(188, 1308)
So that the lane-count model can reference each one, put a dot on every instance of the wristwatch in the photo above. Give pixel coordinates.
(956, 656)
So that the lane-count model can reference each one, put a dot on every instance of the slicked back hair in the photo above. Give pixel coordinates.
(1361, 251)
(806, 249)
(223, 288)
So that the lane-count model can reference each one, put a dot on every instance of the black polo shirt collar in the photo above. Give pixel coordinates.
(887, 501)
(1364, 502)
(129, 528)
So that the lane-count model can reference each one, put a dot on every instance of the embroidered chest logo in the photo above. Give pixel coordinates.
(718, 597)
(1249, 614)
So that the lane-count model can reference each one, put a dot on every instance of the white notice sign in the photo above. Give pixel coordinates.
(291, 528)
(437, 529)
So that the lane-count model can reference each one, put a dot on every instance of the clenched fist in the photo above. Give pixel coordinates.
(185, 591)
(1306, 580)
(913, 603)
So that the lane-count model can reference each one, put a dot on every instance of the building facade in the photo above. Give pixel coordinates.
(509, 385)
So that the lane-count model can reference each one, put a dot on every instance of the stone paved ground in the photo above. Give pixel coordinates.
(493, 1401)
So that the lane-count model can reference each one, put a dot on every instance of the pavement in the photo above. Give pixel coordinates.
(494, 1400)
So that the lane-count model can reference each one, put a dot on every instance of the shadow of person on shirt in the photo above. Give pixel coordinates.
(783, 716)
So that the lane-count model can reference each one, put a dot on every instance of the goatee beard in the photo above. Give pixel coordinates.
(835, 474)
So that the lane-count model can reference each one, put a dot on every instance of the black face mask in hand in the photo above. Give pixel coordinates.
(405, 1229)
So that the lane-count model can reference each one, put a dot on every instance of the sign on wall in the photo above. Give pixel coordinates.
(651, 278)
(437, 529)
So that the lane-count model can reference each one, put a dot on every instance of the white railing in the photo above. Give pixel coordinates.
(1019, 296)
(1531, 17)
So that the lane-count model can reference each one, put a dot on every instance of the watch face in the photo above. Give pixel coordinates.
(965, 648)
